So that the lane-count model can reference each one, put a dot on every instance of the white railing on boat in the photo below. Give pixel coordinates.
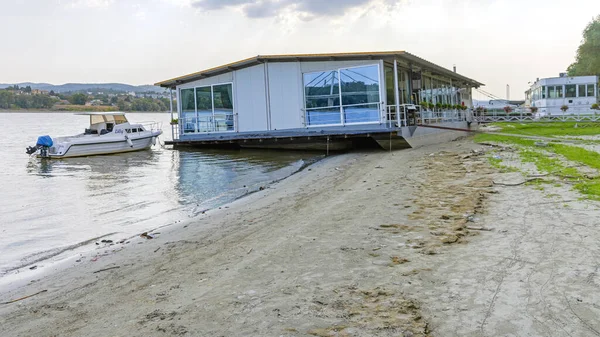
(151, 125)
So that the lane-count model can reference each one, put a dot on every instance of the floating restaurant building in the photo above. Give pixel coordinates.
(321, 100)
(578, 93)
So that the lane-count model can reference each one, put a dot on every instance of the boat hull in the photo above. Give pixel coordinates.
(104, 147)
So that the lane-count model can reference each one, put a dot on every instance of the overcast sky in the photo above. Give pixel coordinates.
(142, 42)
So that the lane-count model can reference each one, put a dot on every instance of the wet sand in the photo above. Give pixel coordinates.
(419, 242)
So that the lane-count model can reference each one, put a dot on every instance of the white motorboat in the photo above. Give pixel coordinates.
(108, 133)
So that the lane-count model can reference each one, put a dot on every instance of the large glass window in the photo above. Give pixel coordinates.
(551, 92)
(570, 90)
(590, 90)
(204, 106)
(390, 85)
(223, 105)
(322, 93)
(544, 92)
(559, 91)
(213, 106)
(581, 90)
(360, 94)
(403, 86)
(348, 95)
(426, 92)
(188, 110)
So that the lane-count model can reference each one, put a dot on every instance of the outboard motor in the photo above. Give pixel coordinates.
(43, 144)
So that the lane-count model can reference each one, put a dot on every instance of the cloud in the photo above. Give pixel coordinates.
(91, 3)
(220, 4)
(271, 8)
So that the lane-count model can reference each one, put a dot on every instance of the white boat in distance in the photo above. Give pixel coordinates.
(108, 133)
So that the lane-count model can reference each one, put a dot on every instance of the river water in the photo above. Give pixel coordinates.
(50, 207)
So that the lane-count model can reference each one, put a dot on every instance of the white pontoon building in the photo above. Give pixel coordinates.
(578, 93)
(318, 100)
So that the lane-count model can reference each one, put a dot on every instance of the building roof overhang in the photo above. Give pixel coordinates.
(413, 60)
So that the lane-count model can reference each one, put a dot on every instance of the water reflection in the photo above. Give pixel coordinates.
(40, 167)
(207, 178)
(115, 164)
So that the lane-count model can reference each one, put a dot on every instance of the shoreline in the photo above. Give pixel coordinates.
(65, 257)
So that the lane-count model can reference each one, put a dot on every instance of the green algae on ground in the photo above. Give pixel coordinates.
(516, 140)
(550, 129)
(547, 159)
(578, 154)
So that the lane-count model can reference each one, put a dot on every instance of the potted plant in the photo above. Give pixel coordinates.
(507, 109)
(174, 121)
(438, 106)
(533, 109)
(424, 104)
(595, 106)
(564, 108)
(431, 106)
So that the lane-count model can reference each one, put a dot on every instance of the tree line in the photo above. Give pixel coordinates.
(587, 61)
(20, 98)
(10, 100)
(143, 104)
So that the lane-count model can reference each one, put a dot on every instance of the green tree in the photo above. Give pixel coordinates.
(78, 99)
(7, 98)
(123, 106)
(587, 61)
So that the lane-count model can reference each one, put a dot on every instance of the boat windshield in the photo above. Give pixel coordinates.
(116, 119)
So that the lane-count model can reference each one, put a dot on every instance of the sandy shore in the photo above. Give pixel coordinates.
(417, 242)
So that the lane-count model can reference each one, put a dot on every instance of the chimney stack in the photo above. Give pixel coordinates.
(454, 67)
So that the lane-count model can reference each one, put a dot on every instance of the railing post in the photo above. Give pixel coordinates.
(396, 92)
(171, 121)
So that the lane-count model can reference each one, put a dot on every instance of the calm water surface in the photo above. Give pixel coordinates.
(48, 207)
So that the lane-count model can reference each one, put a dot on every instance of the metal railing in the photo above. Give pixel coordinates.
(344, 114)
(222, 123)
(151, 125)
(431, 117)
(420, 116)
(395, 118)
(527, 116)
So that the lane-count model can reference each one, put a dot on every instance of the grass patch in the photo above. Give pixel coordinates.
(488, 137)
(590, 188)
(550, 129)
(578, 155)
(544, 163)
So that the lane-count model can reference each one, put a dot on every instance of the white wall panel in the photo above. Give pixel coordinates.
(286, 95)
(249, 88)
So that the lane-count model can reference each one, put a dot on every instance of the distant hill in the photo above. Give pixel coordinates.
(86, 87)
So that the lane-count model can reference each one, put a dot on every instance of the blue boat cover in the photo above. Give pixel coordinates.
(44, 141)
